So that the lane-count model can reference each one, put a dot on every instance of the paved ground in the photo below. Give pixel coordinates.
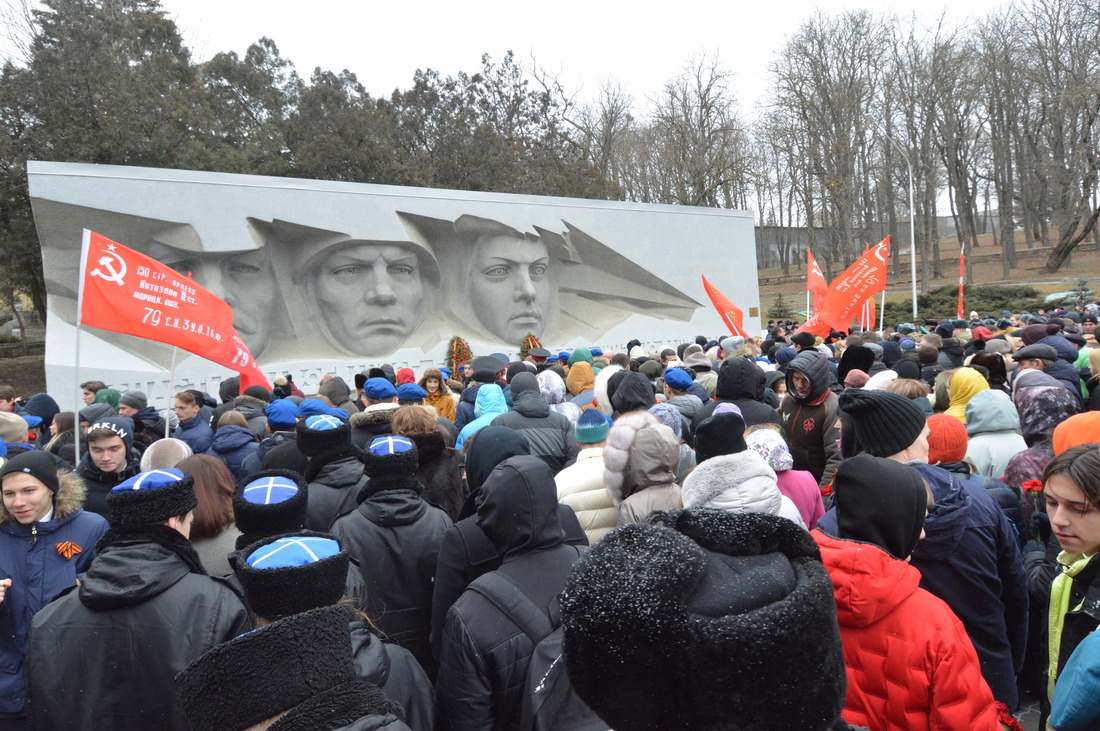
(1028, 713)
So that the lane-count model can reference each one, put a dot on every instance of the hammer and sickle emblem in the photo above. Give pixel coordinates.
(107, 262)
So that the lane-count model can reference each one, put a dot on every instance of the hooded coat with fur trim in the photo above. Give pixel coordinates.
(738, 483)
(640, 460)
(911, 666)
(41, 562)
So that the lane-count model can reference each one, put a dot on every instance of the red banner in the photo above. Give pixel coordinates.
(127, 292)
(848, 292)
(815, 281)
(962, 285)
(730, 313)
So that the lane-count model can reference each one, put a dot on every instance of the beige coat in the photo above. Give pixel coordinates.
(581, 487)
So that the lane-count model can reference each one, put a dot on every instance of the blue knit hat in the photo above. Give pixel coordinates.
(678, 379)
(783, 356)
(152, 497)
(596, 352)
(410, 392)
(592, 427)
(282, 414)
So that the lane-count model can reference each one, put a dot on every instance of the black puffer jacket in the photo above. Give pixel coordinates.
(395, 536)
(334, 483)
(549, 433)
(484, 657)
(106, 654)
(740, 383)
(397, 673)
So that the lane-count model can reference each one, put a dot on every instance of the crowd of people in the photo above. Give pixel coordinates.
(888, 530)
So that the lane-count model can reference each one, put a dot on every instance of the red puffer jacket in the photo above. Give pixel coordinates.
(910, 664)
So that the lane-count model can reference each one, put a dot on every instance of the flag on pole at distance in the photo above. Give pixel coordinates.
(962, 285)
(730, 313)
(815, 281)
(124, 291)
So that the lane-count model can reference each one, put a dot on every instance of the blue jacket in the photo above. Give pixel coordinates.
(197, 433)
(488, 405)
(39, 570)
(232, 444)
(969, 558)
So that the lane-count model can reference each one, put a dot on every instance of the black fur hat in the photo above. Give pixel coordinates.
(705, 620)
(288, 574)
(390, 456)
(263, 673)
(322, 433)
(269, 503)
(152, 497)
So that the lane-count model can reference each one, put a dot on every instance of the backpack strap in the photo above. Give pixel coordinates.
(514, 603)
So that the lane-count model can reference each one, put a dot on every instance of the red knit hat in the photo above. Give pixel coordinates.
(947, 439)
(1076, 430)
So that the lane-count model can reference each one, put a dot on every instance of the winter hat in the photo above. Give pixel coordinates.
(738, 483)
(523, 382)
(592, 427)
(406, 375)
(651, 369)
(876, 350)
(122, 426)
(13, 427)
(678, 379)
(484, 376)
(880, 501)
(285, 575)
(95, 411)
(907, 369)
(945, 329)
(947, 440)
(698, 361)
(152, 497)
(1074, 431)
(727, 408)
(36, 463)
(772, 447)
(719, 434)
(635, 433)
(514, 369)
(927, 355)
(259, 392)
(783, 356)
(1034, 333)
(390, 456)
(411, 392)
(135, 400)
(704, 621)
(881, 380)
(669, 415)
(268, 503)
(322, 433)
(907, 344)
(293, 663)
(281, 414)
(317, 407)
(856, 379)
(804, 339)
(885, 423)
(731, 344)
(981, 333)
(379, 389)
(1039, 350)
(446, 372)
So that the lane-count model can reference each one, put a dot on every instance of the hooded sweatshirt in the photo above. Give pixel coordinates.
(811, 423)
(965, 384)
(740, 382)
(337, 391)
(488, 404)
(632, 392)
(993, 425)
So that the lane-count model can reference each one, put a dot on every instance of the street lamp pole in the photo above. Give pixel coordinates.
(912, 229)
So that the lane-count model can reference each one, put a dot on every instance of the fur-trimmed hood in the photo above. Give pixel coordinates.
(640, 452)
(68, 500)
(602, 379)
(374, 415)
(738, 483)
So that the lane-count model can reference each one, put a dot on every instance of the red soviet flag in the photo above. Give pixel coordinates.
(848, 292)
(127, 292)
(730, 313)
(815, 281)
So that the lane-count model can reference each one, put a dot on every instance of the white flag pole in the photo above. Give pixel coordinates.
(171, 387)
(85, 243)
(882, 313)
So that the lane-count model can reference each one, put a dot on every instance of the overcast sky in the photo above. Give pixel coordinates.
(642, 44)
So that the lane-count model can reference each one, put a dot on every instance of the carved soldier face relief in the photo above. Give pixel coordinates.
(510, 286)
